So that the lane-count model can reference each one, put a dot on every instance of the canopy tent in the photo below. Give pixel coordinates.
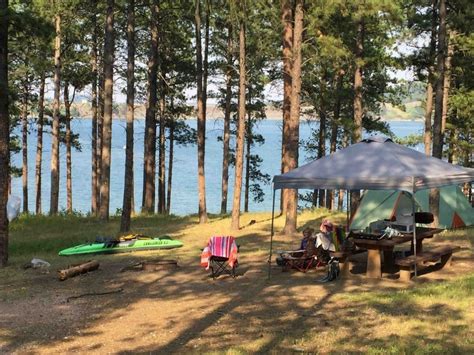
(454, 209)
(375, 163)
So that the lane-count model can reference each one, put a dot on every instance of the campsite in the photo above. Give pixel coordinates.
(236, 177)
(182, 309)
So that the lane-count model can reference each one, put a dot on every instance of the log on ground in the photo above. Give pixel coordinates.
(78, 269)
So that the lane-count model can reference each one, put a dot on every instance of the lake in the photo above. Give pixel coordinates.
(184, 195)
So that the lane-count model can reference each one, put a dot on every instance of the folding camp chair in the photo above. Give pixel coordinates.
(303, 260)
(220, 256)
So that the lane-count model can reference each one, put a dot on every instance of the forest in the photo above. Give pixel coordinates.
(337, 61)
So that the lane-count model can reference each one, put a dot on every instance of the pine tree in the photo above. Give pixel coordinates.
(128, 185)
(292, 146)
(107, 128)
(239, 151)
(4, 132)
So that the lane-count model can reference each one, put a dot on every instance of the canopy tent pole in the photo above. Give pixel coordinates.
(271, 234)
(414, 223)
(347, 211)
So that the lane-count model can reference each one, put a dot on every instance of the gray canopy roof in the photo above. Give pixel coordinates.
(375, 163)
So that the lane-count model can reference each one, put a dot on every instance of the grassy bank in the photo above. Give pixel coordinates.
(291, 312)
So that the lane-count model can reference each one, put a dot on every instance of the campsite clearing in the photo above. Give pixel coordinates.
(182, 309)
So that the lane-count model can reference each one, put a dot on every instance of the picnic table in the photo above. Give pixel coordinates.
(375, 247)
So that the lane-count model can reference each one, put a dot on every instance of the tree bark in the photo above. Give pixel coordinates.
(100, 125)
(67, 106)
(358, 110)
(447, 83)
(248, 147)
(292, 146)
(440, 70)
(54, 203)
(107, 128)
(287, 39)
(427, 137)
(94, 64)
(438, 115)
(148, 201)
(239, 151)
(322, 136)
(335, 128)
(39, 144)
(128, 184)
(201, 118)
(4, 133)
(226, 137)
(170, 165)
(24, 131)
(162, 151)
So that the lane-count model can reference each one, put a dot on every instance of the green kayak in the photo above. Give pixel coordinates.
(122, 246)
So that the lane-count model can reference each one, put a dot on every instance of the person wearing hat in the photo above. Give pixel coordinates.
(324, 237)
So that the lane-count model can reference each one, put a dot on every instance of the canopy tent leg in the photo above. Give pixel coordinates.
(414, 223)
(347, 210)
(271, 236)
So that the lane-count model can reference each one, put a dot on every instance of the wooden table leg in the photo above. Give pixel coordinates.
(388, 262)
(374, 264)
(419, 245)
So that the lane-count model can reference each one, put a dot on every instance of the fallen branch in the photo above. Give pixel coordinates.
(78, 269)
(153, 265)
(95, 294)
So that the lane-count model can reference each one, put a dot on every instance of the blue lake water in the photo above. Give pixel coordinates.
(184, 194)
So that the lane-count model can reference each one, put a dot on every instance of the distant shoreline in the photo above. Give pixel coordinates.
(389, 113)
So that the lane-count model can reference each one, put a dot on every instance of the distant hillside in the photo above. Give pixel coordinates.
(412, 111)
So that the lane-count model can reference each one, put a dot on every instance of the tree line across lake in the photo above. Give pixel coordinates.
(336, 60)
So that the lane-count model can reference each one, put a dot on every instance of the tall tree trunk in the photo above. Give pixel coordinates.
(39, 144)
(4, 132)
(438, 115)
(162, 151)
(335, 128)
(322, 136)
(201, 119)
(447, 83)
(226, 137)
(170, 164)
(247, 157)
(162, 89)
(440, 70)
(292, 146)
(100, 124)
(24, 131)
(107, 129)
(148, 201)
(128, 185)
(54, 203)
(429, 87)
(67, 106)
(94, 64)
(239, 150)
(358, 110)
(287, 39)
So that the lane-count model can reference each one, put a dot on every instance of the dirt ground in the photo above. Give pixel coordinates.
(183, 310)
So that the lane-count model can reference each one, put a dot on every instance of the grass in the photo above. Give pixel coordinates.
(289, 313)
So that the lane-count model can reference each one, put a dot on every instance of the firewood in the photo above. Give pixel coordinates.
(91, 265)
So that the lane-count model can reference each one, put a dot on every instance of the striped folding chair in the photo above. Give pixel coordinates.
(221, 256)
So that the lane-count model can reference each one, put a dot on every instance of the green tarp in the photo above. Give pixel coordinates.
(455, 210)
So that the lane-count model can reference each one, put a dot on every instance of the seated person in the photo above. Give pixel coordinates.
(324, 237)
(307, 245)
(324, 242)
